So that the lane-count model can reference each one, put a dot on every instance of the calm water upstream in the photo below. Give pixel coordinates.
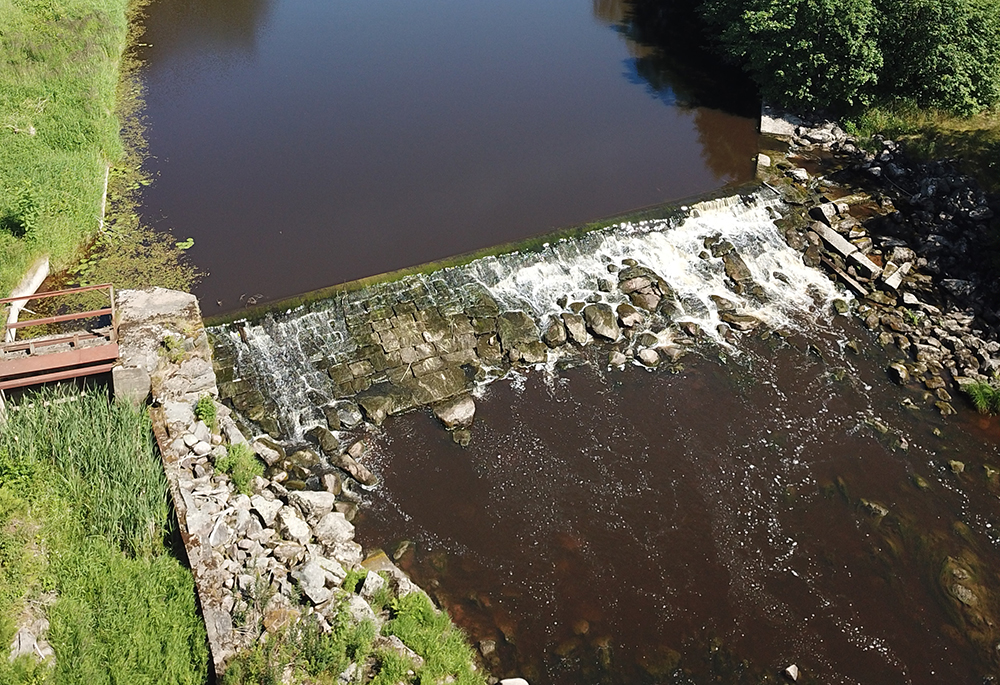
(305, 143)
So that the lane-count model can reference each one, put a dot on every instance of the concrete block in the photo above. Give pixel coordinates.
(132, 384)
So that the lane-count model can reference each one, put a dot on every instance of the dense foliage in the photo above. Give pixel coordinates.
(839, 53)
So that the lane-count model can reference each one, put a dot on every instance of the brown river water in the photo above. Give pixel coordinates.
(705, 526)
(305, 143)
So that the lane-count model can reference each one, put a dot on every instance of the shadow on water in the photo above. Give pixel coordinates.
(710, 526)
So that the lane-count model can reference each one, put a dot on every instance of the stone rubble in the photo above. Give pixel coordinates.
(914, 245)
(252, 555)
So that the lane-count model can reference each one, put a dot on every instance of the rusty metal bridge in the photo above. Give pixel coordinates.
(60, 356)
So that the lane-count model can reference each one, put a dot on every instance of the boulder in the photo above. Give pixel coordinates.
(359, 610)
(333, 528)
(456, 413)
(396, 646)
(629, 316)
(265, 508)
(555, 333)
(332, 417)
(576, 329)
(312, 581)
(515, 328)
(373, 582)
(741, 322)
(292, 527)
(649, 357)
(312, 505)
(326, 440)
(331, 483)
(616, 358)
(736, 268)
(601, 321)
(356, 470)
(269, 451)
(288, 552)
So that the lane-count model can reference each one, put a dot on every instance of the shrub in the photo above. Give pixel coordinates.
(804, 52)
(242, 465)
(205, 411)
(354, 576)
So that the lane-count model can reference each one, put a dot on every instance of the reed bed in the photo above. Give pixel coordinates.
(84, 514)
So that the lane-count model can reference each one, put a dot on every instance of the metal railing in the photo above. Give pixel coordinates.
(37, 366)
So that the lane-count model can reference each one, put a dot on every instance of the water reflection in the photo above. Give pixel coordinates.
(670, 57)
(224, 29)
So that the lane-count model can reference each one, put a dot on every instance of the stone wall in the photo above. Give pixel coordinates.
(262, 559)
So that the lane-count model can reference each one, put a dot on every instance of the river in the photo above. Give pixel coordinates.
(308, 143)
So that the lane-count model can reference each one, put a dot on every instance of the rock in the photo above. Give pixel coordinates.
(333, 528)
(201, 448)
(945, 408)
(292, 527)
(763, 160)
(266, 509)
(396, 646)
(312, 505)
(326, 440)
(899, 373)
(288, 552)
(629, 316)
(649, 357)
(825, 212)
(634, 284)
(515, 328)
(202, 431)
(736, 268)
(349, 414)
(373, 582)
(555, 334)
(616, 358)
(456, 413)
(331, 416)
(513, 681)
(378, 561)
(312, 581)
(797, 174)
(132, 384)
(601, 321)
(957, 467)
(356, 470)
(331, 483)
(576, 329)
(359, 610)
(461, 436)
(269, 452)
(741, 322)
(792, 672)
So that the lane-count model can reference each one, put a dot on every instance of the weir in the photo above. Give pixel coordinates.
(700, 276)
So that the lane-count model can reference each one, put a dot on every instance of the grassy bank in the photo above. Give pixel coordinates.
(930, 134)
(59, 133)
(66, 84)
(83, 520)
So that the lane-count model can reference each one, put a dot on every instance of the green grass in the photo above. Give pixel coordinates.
(241, 464)
(59, 65)
(83, 512)
(930, 134)
(431, 634)
(984, 397)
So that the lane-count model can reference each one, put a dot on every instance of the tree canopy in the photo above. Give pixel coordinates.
(838, 53)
